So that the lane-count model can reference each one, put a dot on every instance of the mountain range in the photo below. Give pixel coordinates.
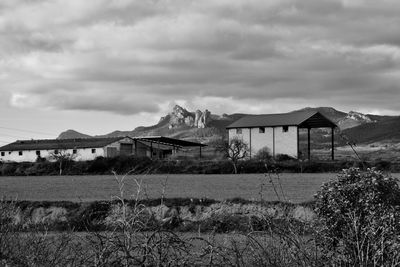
(203, 126)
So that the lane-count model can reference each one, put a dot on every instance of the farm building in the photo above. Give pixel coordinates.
(82, 149)
(279, 132)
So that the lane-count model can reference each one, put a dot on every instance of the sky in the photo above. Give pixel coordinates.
(103, 65)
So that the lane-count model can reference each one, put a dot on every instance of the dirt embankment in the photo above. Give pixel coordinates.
(174, 214)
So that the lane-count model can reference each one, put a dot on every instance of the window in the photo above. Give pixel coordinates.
(261, 130)
(56, 151)
(20, 153)
(74, 151)
(38, 153)
(239, 131)
(93, 150)
(3, 154)
(285, 129)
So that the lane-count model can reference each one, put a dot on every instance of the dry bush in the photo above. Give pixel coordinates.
(360, 219)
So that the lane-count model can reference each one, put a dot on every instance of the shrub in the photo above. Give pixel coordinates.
(264, 154)
(283, 157)
(360, 218)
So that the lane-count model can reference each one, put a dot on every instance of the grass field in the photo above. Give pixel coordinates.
(295, 186)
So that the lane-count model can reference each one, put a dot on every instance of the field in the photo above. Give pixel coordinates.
(296, 187)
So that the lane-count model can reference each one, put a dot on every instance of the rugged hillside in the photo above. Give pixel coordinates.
(346, 120)
(203, 126)
(386, 130)
(179, 123)
(329, 112)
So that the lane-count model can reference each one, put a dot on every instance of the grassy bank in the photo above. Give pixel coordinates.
(177, 214)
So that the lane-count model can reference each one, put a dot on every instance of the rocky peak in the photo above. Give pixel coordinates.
(180, 112)
(204, 119)
(181, 117)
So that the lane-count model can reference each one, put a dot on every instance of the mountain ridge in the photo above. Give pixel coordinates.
(205, 126)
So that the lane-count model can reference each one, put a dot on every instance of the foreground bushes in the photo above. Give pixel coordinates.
(358, 224)
(130, 237)
(360, 219)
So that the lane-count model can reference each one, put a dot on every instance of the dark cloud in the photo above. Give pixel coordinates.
(129, 56)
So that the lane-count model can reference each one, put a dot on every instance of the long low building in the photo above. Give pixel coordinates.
(81, 149)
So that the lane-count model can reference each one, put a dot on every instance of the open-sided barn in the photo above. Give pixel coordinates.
(278, 132)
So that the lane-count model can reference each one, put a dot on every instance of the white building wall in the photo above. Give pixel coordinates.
(87, 154)
(14, 156)
(245, 135)
(30, 155)
(261, 140)
(285, 142)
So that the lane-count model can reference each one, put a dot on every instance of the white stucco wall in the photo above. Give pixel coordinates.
(285, 142)
(261, 140)
(245, 135)
(30, 155)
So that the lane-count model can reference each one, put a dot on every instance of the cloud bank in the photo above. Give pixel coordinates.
(128, 57)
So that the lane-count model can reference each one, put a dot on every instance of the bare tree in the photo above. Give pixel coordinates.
(235, 149)
(62, 156)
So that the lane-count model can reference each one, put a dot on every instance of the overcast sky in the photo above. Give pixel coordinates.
(102, 65)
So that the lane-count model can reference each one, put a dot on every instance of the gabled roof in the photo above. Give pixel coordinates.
(48, 144)
(303, 119)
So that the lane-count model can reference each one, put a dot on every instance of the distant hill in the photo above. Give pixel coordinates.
(385, 130)
(70, 134)
(203, 126)
(329, 112)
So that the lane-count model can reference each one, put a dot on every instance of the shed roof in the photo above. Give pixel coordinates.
(169, 141)
(302, 119)
(48, 144)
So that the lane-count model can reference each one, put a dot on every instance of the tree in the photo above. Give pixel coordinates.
(234, 149)
(62, 156)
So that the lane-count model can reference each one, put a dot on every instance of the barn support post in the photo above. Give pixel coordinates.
(308, 144)
(200, 151)
(298, 144)
(333, 142)
(136, 148)
(151, 149)
(273, 142)
(250, 141)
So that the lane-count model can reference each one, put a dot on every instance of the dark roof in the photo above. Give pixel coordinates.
(48, 144)
(169, 141)
(303, 119)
